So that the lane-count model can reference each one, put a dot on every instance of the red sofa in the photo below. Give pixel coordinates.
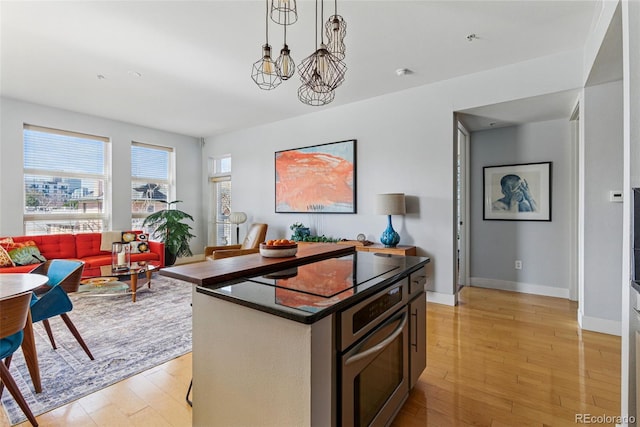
(85, 247)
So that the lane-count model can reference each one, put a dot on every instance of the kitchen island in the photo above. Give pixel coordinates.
(270, 346)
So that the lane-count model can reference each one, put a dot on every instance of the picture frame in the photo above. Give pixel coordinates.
(316, 179)
(518, 192)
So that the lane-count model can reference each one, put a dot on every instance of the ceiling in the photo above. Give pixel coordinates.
(184, 66)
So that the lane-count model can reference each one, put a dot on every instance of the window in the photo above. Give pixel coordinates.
(152, 174)
(65, 181)
(220, 184)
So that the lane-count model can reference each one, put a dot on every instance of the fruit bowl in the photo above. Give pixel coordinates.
(278, 250)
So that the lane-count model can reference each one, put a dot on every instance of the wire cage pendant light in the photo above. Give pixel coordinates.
(336, 31)
(265, 72)
(316, 93)
(322, 72)
(286, 65)
(284, 12)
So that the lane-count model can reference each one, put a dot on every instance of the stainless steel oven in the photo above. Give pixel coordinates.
(374, 358)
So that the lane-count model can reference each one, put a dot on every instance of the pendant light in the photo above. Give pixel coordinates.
(264, 71)
(315, 94)
(284, 12)
(322, 71)
(285, 63)
(336, 31)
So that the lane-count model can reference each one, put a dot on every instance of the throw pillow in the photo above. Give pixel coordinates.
(6, 241)
(139, 241)
(25, 253)
(5, 259)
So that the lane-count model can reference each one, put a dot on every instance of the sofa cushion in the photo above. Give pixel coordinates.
(88, 245)
(25, 253)
(97, 260)
(53, 246)
(4, 241)
(138, 240)
(5, 259)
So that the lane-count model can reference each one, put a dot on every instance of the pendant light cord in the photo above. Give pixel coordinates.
(321, 20)
(266, 22)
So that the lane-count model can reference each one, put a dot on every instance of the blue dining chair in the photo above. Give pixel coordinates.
(14, 313)
(52, 300)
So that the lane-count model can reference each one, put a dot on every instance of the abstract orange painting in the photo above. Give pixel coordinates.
(317, 179)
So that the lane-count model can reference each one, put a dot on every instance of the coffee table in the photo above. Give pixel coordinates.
(132, 274)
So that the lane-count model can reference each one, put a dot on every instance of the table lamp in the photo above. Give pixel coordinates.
(390, 204)
(237, 218)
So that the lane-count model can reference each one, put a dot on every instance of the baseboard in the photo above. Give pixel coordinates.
(527, 288)
(190, 259)
(440, 298)
(595, 324)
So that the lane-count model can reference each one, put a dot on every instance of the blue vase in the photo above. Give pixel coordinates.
(390, 238)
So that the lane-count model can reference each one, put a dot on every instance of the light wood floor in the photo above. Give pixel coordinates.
(498, 359)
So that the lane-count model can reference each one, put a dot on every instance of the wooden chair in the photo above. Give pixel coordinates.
(14, 313)
(251, 244)
(52, 300)
(70, 283)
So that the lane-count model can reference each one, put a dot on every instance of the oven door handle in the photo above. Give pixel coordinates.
(381, 345)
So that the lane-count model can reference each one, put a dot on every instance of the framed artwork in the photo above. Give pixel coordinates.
(520, 192)
(316, 179)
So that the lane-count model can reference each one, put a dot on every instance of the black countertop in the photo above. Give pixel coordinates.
(309, 292)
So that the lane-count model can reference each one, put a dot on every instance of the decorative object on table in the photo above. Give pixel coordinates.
(170, 229)
(237, 218)
(250, 245)
(126, 339)
(120, 256)
(390, 204)
(519, 192)
(300, 231)
(99, 286)
(281, 248)
(316, 179)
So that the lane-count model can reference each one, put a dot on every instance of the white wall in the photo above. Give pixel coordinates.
(405, 144)
(13, 114)
(601, 170)
(543, 247)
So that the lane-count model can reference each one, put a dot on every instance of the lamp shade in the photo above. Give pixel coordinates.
(237, 217)
(390, 204)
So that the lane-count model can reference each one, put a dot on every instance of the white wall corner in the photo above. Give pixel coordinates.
(440, 298)
(526, 288)
(595, 324)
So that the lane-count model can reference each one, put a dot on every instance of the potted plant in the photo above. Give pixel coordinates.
(169, 228)
(299, 231)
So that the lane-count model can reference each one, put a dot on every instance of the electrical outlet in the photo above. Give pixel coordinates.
(518, 264)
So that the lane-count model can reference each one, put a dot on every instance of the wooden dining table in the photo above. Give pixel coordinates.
(12, 284)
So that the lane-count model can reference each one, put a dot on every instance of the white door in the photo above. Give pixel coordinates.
(462, 211)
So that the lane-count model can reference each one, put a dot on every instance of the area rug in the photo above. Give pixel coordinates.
(125, 338)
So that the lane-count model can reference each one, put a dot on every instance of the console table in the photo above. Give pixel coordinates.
(381, 249)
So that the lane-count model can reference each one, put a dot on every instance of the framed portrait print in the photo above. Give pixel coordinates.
(316, 179)
(520, 192)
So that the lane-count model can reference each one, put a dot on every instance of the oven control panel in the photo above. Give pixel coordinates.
(357, 321)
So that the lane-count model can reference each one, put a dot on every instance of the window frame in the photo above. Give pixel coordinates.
(104, 216)
(218, 175)
(170, 181)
